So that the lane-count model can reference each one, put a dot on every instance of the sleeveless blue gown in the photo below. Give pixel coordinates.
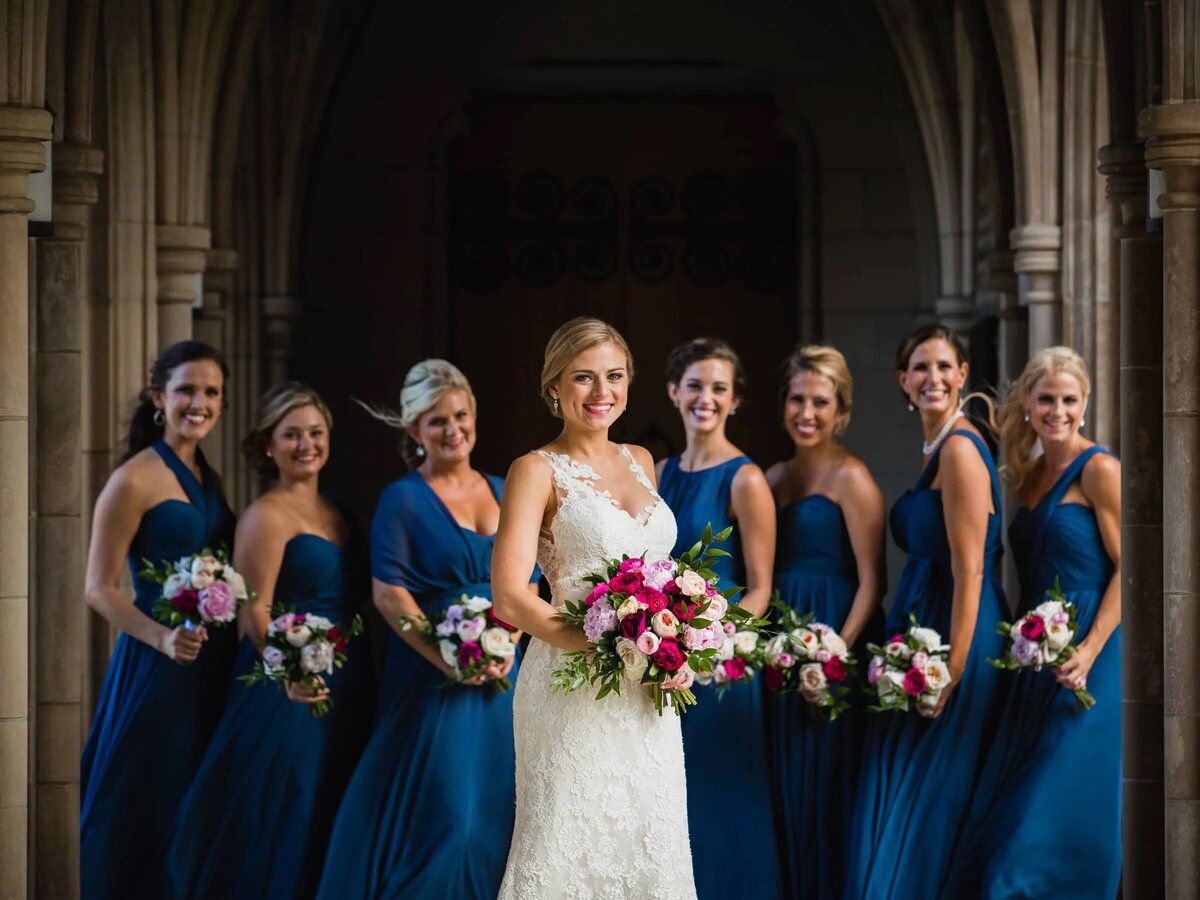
(814, 763)
(154, 717)
(256, 820)
(919, 775)
(723, 740)
(1053, 775)
(429, 811)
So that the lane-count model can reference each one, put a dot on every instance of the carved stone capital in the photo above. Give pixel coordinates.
(1125, 178)
(77, 170)
(1173, 145)
(182, 254)
(22, 131)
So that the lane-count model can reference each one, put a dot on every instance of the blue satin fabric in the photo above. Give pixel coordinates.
(429, 811)
(723, 737)
(814, 763)
(154, 717)
(1046, 821)
(919, 775)
(256, 820)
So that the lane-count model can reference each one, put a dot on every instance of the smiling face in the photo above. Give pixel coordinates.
(705, 395)
(1055, 407)
(191, 400)
(934, 378)
(447, 429)
(594, 387)
(810, 409)
(299, 444)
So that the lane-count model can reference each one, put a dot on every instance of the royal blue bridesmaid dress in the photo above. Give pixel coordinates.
(154, 717)
(919, 775)
(729, 790)
(1046, 821)
(429, 811)
(814, 763)
(256, 820)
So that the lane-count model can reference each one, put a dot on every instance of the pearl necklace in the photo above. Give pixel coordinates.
(928, 447)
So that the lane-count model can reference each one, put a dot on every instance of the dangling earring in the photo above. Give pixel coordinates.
(420, 451)
(1082, 422)
(159, 418)
(1026, 417)
(911, 408)
(555, 399)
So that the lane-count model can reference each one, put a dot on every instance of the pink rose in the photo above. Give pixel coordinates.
(633, 625)
(920, 660)
(785, 660)
(1033, 627)
(668, 657)
(626, 583)
(824, 655)
(656, 601)
(633, 564)
(730, 628)
(597, 592)
(664, 624)
(648, 642)
(217, 603)
(835, 669)
(914, 683)
(735, 668)
(284, 622)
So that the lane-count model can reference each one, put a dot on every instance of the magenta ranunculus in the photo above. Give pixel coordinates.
(656, 601)
(633, 564)
(634, 624)
(468, 653)
(217, 603)
(835, 669)
(684, 611)
(626, 583)
(735, 668)
(773, 677)
(670, 587)
(914, 683)
(668, 657)
(597, 592)
(1033, 627)
(186, 601)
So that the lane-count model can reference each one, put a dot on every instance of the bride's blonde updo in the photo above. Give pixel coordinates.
(424, 385)
(571, 339)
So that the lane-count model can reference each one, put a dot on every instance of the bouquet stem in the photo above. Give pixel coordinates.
(1083, 699)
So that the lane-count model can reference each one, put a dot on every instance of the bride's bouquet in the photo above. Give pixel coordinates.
(908, 670)
(468, 636)
(197, 590)
(1043, 637)
(811, 659)
(657, 624)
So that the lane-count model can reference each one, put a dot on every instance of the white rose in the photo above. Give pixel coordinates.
(449, 653)
(664, 623)
(236, 583)
(897, 648)
(477, 604)
(635, 663)
(894, 677)
(745, 642)
(204, 571)
(1057, 636)
(1048, 608)
(318, 622)
(1051, 655)
(926, 637)
(628, 607)
(717, 607)
(725, 651)
(937, 676)
(692, 584)
(777, 645)
(174, 584)
(805, 641)
(497, 642)
(317, 657)
(832, 641)
(298, 635)
(812, 677)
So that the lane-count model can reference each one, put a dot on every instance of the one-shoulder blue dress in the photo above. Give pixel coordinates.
(918, 775)
(814, 763)
(1046, 821)
(154, 717)
(429, 811)
(256, 820)
(723, 740)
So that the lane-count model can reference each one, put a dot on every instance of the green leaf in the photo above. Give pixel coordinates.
(707, 539)
(723, 534)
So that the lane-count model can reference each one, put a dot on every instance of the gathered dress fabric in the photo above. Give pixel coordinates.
(1053, 774)
(815, 763)
(918, 775)
(154, 717)
(727, 735)
(429, 810)
(601, 793)
(257, 818)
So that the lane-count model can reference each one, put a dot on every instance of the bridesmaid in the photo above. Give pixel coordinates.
(429, 811)
(829, 563)
(164, 688)
(919, 770)
(1053, 776)
(712, 481)
(256, 819)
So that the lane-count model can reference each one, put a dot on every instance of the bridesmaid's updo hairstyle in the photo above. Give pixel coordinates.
(143, 430)
(272, 409)
(571, 339)
(1017, 435)
(828, 362)
(924, 333)
(699, 350)
(424, 385)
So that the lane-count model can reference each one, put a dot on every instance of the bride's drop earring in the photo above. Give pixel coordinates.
(555, 399)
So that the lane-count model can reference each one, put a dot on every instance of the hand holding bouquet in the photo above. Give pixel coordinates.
(299, 649)
(809, 658)
(469, 637)
(197, 590)
(1043, 637)
(910, 670)
(658, 624)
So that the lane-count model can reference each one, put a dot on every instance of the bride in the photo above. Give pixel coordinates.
(601, 799)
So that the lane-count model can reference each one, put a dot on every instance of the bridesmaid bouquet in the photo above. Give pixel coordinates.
(1043, 637)
(658, 624)
(300, 647)
(909, 669)
(740, 657)
(469, 636)
(811, 659)
(197, 590)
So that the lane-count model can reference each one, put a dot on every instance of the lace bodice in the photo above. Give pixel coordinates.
(590, 526)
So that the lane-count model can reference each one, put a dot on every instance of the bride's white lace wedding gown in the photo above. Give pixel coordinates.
(601, 796)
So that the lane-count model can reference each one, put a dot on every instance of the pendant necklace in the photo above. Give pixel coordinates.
(928, 447)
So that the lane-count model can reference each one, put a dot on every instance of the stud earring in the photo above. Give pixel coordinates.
(1026, 417)
(911, 408)
(420, 451)
(1082, 422)
(733, 412)
(159, 418)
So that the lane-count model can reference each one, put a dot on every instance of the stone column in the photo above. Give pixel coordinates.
(59, 616)
(1014, 330)
(1038, 264)
(211, 324)
(280, 315)
(22, 131)
(181, 256)
(1173, 145)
